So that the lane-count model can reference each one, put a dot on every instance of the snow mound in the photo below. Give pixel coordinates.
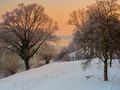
(64, 76)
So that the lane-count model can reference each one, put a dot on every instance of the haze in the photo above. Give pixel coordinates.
(59, 10)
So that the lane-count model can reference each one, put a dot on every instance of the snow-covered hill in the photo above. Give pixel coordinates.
(64, 76)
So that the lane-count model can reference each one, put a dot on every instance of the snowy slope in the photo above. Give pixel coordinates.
(63, 76)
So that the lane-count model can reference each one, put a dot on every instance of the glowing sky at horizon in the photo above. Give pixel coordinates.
(59, 10)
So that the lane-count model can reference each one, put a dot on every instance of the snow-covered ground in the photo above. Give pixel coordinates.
(64, 76)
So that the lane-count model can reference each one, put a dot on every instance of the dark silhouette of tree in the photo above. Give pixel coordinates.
(97, 30)
(47, 52)
(59, 57)
(25, 29)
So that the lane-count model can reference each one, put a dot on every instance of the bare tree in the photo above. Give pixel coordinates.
(9, 62)
(97, 28)
(104, 16)
(25, 29)
(61, 54)
(47, 52)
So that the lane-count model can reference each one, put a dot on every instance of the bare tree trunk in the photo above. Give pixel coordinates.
(27, 66)
(105, 71)
(111, 60)
(47, 62)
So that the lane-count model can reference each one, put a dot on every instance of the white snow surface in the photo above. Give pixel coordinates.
(64, 76)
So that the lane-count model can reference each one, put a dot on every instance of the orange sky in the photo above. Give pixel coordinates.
(59, 10)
